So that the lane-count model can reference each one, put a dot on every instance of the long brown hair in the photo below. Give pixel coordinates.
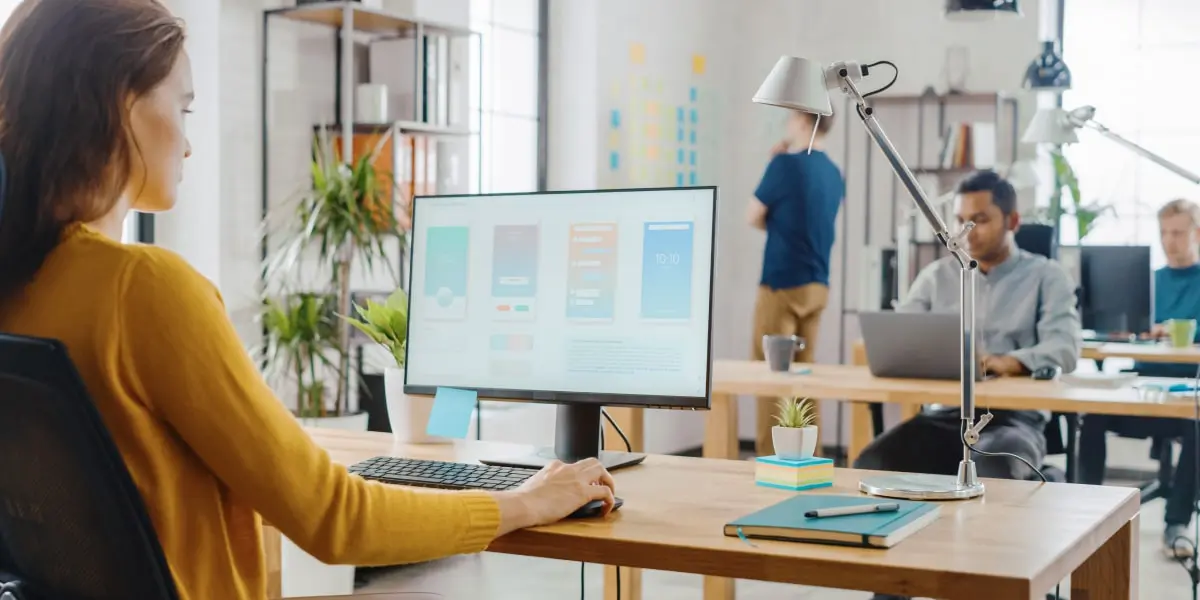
(68, 70)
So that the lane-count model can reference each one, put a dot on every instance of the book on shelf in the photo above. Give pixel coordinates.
(968, 146)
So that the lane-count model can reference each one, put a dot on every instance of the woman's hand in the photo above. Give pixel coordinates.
(553, 493)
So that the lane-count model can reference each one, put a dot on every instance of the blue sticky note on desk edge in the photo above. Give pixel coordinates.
(451, 414)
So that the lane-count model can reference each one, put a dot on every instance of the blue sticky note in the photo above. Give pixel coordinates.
(451, 414)
(692, 158)
(679, 114)
(679, 179)
(693, 136)
(693, 94)
(616, 119)
(679, 156)
(679, 135)
(693, 115)
(614, 161)
(692, 178)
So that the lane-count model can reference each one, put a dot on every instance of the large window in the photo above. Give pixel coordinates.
(505, 106)
(1132, 60)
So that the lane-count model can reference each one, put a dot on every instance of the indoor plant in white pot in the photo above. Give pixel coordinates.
(795, 436)
(387, 325)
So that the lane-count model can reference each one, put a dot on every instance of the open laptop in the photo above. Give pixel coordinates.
(913, 345)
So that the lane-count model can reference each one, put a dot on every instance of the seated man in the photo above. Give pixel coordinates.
(1025, 320)
(1176, 296)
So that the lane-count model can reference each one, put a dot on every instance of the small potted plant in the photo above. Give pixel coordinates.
(795, 437)
(387, 325)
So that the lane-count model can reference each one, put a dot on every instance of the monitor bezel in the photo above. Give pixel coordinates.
(566, 397)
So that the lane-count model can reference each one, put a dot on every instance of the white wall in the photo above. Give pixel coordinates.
(740, 46)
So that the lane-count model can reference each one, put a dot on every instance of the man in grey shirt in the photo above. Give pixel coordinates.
(1025, 320)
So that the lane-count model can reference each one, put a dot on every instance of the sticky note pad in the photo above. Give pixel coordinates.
(451, 414)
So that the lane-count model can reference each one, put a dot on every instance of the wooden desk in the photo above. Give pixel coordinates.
(851, 382)
(1145, 352)
(1018, 541)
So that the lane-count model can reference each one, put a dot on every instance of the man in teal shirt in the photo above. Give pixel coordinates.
(1176, 296)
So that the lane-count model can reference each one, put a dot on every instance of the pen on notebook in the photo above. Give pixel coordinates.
(860, 509)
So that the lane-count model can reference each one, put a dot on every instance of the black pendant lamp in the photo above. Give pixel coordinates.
(981, 10)
(1048, 71)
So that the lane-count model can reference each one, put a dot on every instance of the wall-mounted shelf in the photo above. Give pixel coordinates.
(371, 21)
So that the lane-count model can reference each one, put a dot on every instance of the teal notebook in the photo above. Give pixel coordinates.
(786, 521)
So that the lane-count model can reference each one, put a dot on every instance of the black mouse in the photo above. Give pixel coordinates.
(1046, 373)
(593, 509)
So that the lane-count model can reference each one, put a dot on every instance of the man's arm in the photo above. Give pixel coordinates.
(1060, 338)
(756, 214)
(920, 293)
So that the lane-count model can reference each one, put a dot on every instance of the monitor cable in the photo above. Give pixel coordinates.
(628, 448)
(1192, 564)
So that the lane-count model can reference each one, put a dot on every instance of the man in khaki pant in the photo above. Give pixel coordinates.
(797, 204)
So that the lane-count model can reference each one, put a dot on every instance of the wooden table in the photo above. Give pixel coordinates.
(1161, 353)
(852, 382)
(1018, 541)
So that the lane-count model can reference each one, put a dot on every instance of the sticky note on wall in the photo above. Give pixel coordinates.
(637, 53)
(451, 414)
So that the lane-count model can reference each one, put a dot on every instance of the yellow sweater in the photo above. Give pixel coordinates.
(208, 444)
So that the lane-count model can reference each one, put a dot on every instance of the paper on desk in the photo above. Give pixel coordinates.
(451, 414)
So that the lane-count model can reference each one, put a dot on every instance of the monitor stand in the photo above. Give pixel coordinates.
(576, 437)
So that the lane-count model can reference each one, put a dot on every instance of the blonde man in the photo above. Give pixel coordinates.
(1176, 296)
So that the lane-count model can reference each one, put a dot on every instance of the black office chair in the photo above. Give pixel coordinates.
(72, 524)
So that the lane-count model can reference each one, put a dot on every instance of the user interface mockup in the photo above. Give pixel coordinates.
(593, 293)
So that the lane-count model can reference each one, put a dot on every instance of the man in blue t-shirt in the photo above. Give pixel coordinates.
(1176, 296)
(797, 204)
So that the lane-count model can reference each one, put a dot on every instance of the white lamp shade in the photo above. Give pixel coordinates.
(798, 84)
(1050, 126)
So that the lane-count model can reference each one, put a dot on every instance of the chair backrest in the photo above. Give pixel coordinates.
(72, 524)
(1037, 238)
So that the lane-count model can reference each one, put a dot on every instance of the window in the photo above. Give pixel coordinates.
(1130, 59)
(504, 95)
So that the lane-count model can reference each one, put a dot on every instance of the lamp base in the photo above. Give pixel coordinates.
(916, 486)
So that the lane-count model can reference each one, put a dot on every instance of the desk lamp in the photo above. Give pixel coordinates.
(1058, 126)
(803, 85)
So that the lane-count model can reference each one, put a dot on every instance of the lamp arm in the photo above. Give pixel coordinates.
(953, 243)
(1140, 151)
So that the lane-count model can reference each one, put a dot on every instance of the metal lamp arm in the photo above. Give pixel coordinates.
(1140, 151)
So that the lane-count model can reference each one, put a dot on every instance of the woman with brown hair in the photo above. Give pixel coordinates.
(93, 100)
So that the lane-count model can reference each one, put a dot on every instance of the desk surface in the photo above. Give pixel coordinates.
(854, 382)
(1147, 352)
(1016, 542)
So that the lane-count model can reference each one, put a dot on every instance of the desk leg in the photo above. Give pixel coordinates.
(862, 430)
(1112, 572)
(273, 552)
(633, 423)
(631, 583)
(718, 588)
(721, 428)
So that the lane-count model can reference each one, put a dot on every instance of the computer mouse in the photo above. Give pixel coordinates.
(593, 509)
(1046, 373)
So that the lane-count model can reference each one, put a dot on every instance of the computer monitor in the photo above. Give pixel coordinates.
(582, 298)
(1116, 284)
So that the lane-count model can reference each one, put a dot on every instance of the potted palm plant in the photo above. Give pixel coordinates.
(795, 436)
(342, 220)
(1086, 214)
(386, 324)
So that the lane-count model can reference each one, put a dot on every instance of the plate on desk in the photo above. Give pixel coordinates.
(1099, 381)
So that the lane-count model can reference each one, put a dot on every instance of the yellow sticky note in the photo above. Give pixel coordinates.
(698, 64)
(652, 131)
(652, 108)
(652, 152)
(637, 53)
(614, 140)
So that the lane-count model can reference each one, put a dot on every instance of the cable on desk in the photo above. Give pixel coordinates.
(628, 446)
(963, 434)
(582, 589)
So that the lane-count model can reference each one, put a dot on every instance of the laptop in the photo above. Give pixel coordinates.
(914, 345)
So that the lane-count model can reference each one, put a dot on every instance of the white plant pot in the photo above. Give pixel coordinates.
(794, 443)
(408, 415)
(355, 422)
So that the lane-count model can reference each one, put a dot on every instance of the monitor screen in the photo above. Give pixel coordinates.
(601, 297)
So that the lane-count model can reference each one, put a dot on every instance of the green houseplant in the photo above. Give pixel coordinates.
(300, 333)
(386, 324)
(1086, 215)
(345, 217)
(795, 435)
